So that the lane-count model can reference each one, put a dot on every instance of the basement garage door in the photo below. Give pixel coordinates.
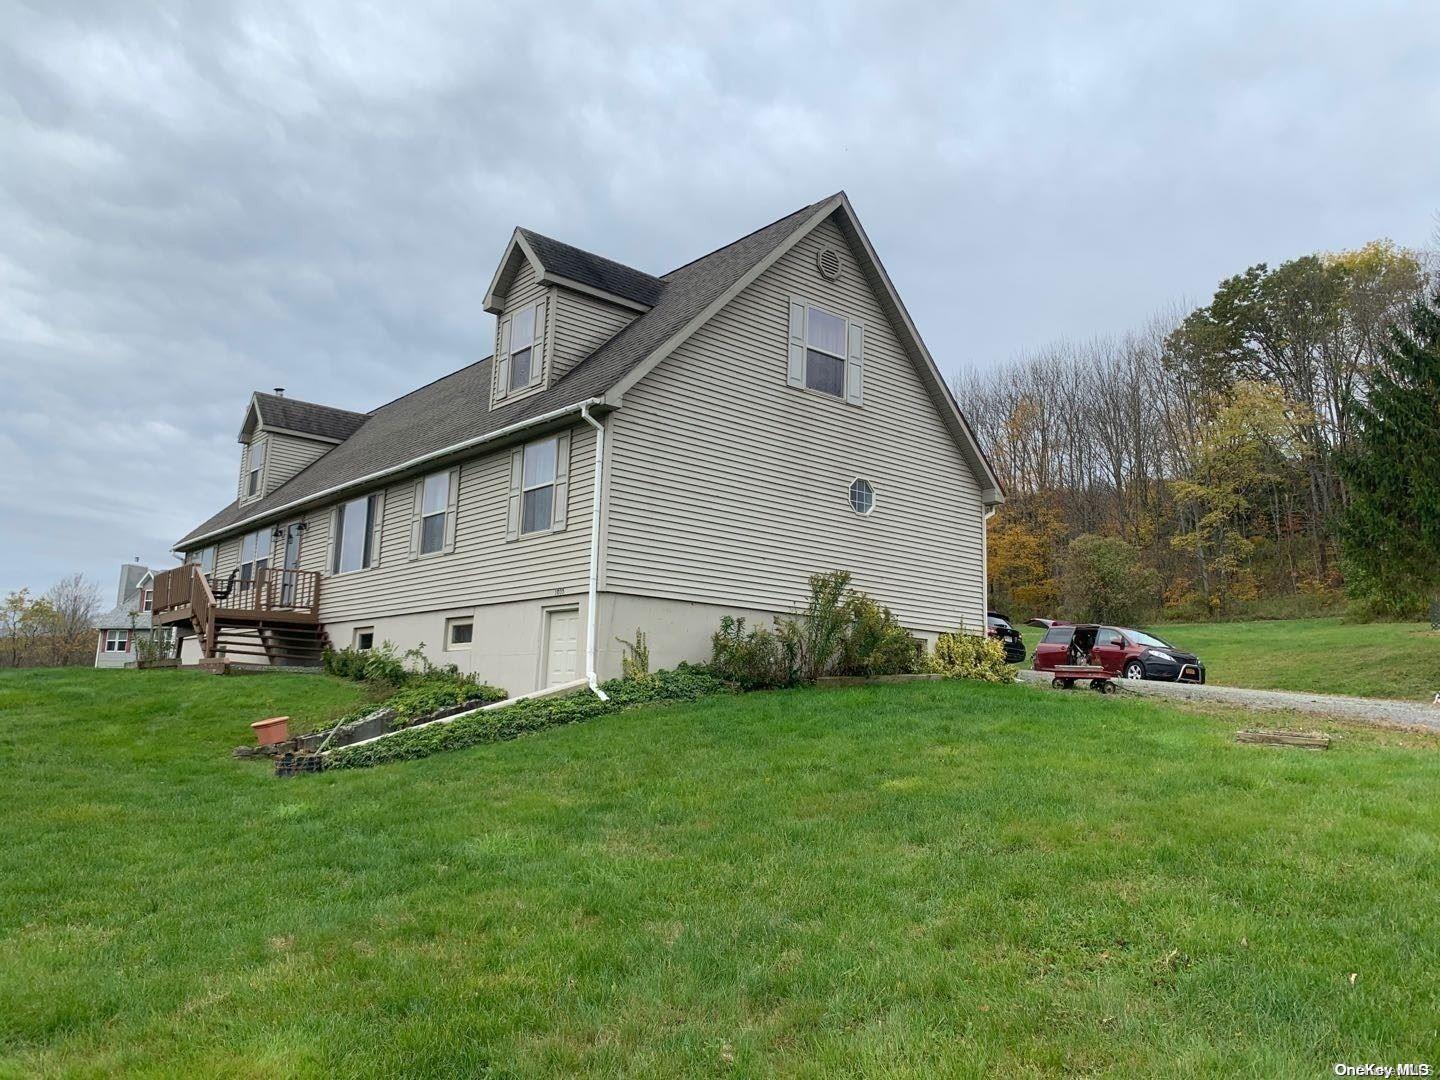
(562, 646)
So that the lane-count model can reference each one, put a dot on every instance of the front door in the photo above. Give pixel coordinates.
(290, 563)
(562, 646)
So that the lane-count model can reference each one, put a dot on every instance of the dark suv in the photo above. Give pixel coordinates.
(1121, 651)
(998, 627)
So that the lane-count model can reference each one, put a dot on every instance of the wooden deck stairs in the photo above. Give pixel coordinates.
(272, 617)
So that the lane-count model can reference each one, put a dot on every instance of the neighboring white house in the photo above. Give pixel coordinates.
(121, 628)
(764, 412)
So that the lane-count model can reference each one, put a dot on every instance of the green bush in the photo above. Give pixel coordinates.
(841, 631)
(685, 683)
(969, 656)
(875, 643)
(424, 696)
(378, 665)
(635, 663)
(824, 624)
(755, 660)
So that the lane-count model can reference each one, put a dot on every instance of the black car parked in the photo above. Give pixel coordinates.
(998, 626)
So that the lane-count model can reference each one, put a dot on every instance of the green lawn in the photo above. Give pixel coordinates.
(1396, 660)
(931, 879)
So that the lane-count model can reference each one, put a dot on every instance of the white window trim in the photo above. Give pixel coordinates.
(355, 638)
(526, 490)
(261, 553)
(539, 345)
(374, 527)
(450, 624)
(852, 360)
(450, 513)
(559, 509)
(850, 502)
(259, 473)
(121, 638)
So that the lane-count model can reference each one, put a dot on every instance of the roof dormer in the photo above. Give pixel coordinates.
(281, 436)
(554, 305)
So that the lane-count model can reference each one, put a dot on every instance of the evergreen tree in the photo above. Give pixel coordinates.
(1391, 531)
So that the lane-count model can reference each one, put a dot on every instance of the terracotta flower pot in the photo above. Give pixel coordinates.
(271, 731)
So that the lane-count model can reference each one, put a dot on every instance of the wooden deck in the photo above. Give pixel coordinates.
(275, 613)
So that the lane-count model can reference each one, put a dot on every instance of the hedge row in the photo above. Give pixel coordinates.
(683, 684)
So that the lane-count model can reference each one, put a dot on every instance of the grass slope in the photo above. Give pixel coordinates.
(908, 880)
(1323, 656)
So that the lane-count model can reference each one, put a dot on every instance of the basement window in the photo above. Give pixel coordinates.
(459, 633)
(364, 638)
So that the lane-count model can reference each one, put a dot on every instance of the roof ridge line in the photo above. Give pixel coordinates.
(312, 404)
(592, 254)
(752, 232)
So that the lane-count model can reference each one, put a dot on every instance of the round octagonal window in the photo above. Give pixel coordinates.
(862, 497)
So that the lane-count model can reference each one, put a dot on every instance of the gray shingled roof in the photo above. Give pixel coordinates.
(119, 618)
(594, 270)
(308, 417)
(451, 410)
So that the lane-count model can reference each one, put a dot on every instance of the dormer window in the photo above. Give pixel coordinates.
(522, 342)
(521, 353)
(147, 600)
(256, 466)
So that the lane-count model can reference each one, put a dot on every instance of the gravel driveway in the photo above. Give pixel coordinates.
(1365, 710)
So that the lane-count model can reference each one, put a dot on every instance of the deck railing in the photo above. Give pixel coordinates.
(269, 589)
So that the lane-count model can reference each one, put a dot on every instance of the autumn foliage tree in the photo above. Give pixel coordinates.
(1211, 440)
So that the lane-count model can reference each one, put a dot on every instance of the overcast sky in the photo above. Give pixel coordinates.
(197, 200)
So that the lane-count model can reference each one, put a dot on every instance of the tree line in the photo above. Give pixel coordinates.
(1208, 451)
(54, 629)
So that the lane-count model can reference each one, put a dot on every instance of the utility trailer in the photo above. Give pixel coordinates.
(1067, 675)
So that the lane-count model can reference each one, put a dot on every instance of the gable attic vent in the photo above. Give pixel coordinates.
(828, 263)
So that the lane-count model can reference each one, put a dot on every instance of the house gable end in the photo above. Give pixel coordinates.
(839, 211)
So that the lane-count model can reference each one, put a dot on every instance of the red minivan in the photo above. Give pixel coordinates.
(1120, 650)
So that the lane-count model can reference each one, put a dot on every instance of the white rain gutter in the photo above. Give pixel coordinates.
(592, 606)
(405, 466)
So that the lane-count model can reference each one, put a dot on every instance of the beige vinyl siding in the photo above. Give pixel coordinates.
(227, 557)
(484, 568)
(287, 455)
(525, 289)
(731, 487)
(581, 325)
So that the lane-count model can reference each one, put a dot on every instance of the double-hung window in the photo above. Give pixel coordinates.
(256, 466)
(254, 555)
(204, 558)
(827, 352)
(117, 640)
(539, 487)
(537, 491)
(354, 535)
(434, 508)
(521, 350)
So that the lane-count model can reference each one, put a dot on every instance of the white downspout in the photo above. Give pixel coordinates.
(592, 597)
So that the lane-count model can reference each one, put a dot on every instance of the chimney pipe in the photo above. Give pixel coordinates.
(279, 391)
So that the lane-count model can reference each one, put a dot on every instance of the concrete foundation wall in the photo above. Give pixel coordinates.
(509, 647)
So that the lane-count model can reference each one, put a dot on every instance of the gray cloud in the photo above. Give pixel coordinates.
(199, 200)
